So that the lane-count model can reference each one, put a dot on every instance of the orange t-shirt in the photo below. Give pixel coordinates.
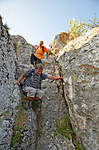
(39, 52)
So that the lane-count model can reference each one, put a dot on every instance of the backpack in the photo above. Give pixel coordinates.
(42, 48)
(31, 73)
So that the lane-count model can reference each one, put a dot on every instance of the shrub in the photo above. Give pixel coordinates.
(78, 29)
(62, 127)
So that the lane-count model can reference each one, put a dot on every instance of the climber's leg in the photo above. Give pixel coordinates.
(37, 61)
(30, 91)
(39, 93)
(30, 94)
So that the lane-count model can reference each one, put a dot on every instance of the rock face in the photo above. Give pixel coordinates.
(53, 107)
(15, 59)
(22, 49)
(79, 90)
(79, 41)
(58, 45)
(58, 42)
(9, 97)
(40, 124)
(81, 86)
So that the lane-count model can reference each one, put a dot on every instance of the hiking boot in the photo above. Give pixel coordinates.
(26, 105)
(30, 104)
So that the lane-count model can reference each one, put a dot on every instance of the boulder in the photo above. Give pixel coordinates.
(58, 42)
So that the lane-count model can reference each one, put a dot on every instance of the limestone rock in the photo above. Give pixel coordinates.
(58, 42)
(9, 97)
(14, 60)
(79, 41)
(80, 69)
(53, 107)
(22, 49)
(28, 135)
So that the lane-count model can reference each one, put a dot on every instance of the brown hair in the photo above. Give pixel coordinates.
(42, 42)
(39, 66)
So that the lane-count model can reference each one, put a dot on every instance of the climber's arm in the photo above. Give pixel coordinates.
(55, 78)
(48, 55)
(32, 51)
(33, 46)
(19, 79)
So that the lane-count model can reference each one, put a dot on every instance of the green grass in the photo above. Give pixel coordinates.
(35, 105)
(16, 139)
(62, 127)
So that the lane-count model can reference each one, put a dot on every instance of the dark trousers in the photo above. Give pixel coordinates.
(34, 60)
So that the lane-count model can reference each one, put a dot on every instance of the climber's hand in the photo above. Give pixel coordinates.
(17, 82)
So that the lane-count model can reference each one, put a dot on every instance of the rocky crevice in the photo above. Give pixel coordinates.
(44, 128)
(73, 135)
(77, 95)
(39, 114)
(81, 79)
(39, 125)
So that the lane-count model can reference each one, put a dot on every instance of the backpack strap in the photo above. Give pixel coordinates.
(31, 73)
(41, 75)
(42, 49)
(37, 47)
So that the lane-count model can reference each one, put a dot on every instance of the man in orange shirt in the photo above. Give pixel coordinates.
(37, 57)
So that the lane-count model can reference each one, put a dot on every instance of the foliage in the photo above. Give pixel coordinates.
(20, 117)
(0, 17)
(35, 105)
(16, 139)
(75, 29)
(16, 135)
(77, 145)
(6, 27)
(93, 23)
(18, 124)
(78, 29)
(38, 133)
(15, 43)
(0, 20)
(63, 128)
(50, 53)
(28, 44)
(6, 113)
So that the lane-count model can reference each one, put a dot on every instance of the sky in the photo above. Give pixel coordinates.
(37, 20)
